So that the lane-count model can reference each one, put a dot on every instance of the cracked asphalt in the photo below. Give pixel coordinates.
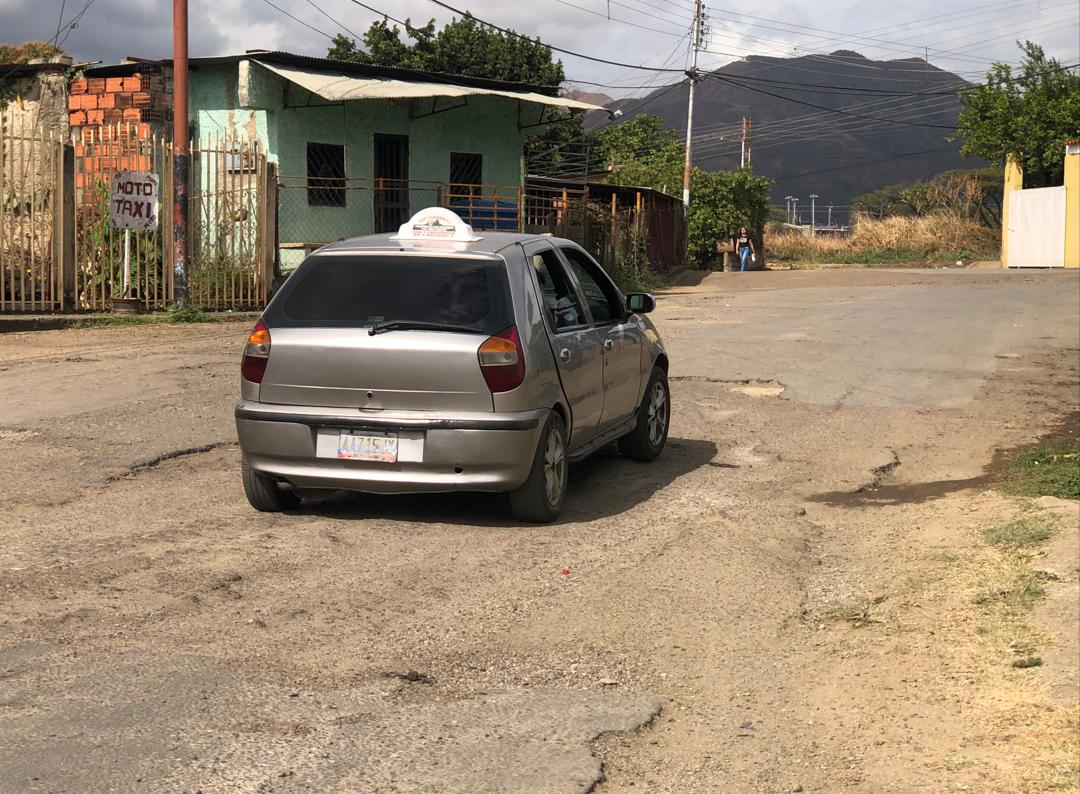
(156, 634)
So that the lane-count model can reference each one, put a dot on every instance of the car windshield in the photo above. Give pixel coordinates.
(332, 291)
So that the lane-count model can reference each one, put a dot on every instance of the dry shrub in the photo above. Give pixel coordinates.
(939, 237)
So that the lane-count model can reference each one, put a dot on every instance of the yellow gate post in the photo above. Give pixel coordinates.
(1014, 180)
(1072, 203)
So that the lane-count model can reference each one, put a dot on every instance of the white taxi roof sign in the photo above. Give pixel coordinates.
(436, 224)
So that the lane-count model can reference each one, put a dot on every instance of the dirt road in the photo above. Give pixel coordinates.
(783, 602)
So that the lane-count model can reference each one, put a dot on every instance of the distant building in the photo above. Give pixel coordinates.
(359, 148)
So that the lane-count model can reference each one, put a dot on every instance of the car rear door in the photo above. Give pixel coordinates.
(621, 336)
(575, 343)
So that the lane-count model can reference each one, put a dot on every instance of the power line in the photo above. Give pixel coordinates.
(714, 76)
(509, 32)
(864, 162)
(298, 20)
(332, 19)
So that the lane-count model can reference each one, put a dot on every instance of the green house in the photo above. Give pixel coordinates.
(357, 149)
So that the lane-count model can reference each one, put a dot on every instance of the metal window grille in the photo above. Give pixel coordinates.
(466, 172)
(326, 175)
(391, 182)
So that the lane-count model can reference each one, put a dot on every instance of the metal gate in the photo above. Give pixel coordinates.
(99, 249)
(31, 216)
(1036, 227)
(232, 220)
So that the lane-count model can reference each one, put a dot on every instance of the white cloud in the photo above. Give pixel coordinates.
(113, 29)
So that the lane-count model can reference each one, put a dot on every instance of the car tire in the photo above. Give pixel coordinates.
(540, 499)
(264, 494)
(646, 441)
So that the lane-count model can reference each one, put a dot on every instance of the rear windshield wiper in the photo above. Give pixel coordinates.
(417, 325)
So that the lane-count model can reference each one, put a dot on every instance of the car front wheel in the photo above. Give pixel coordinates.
(540, 499)
(646, 441)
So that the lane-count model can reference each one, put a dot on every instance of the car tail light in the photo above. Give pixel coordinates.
(502, 360)
(256, 353)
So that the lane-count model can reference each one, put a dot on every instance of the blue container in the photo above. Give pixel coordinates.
(496, 216)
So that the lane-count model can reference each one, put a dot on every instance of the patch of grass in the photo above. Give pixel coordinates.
(1052, 470)
(1018, 590)
(172, 315)
(858, 613)
(1028, 661)
(1021, 533)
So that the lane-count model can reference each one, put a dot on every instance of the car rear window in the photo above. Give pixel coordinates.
(359, 291)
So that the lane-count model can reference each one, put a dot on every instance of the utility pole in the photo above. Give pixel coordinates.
(695, 43)
(745, 137)
(181, 150)
(787, 207)
(830, 216)
(795, 208)
(742, 144)
(813, 216)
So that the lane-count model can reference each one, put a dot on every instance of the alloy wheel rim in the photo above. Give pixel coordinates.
(658, 413)
(554, 466)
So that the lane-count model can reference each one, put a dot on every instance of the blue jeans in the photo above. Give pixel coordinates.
(744, 256)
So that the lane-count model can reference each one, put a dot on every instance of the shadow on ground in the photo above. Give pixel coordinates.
(604, 485)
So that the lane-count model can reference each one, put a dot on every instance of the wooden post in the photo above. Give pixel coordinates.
(64, 225)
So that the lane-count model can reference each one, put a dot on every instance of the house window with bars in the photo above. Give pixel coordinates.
(466, 174)
(326, 175)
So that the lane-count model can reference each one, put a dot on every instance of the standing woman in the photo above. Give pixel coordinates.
(744, 247)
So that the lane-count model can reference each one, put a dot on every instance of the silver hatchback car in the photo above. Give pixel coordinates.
(447, 361)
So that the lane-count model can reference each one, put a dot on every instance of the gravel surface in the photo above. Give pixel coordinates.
(830, 435)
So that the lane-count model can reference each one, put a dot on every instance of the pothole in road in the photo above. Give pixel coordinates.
(752, 387)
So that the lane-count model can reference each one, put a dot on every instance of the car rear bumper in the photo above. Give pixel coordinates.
(460, 452)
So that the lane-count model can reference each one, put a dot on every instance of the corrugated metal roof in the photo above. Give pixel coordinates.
(338, 86)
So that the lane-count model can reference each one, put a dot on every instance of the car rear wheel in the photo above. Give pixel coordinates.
(647, 439)
(540, 499)
(263, 493)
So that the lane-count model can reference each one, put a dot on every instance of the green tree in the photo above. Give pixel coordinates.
(721, 202)
(970, 193)
(1028, 114)
(28, 50)
(463, 46)
(642, 151)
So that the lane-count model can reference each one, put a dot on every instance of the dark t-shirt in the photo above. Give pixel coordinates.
(743, 242)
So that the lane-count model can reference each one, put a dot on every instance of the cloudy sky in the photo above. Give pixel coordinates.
(962, 35)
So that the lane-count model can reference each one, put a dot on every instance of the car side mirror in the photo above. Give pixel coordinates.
(640, 302)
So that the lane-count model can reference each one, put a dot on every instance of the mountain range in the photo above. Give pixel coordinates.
(836, 125)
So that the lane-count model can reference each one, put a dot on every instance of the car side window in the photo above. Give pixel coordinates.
(605, 303)
(560, 299)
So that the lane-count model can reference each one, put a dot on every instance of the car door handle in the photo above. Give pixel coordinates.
(609, 345)
(564, 354)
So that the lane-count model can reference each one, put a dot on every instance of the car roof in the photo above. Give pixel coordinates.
(488, 243)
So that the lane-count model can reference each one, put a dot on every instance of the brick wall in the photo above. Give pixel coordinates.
(113, 118)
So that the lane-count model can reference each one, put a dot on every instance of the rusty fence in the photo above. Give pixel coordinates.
(31, 216)
(230, 220)
(99, 249)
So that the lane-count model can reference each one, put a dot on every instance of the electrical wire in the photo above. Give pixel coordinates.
(563, 50)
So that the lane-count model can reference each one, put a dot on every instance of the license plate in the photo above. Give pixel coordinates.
(369, 445)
